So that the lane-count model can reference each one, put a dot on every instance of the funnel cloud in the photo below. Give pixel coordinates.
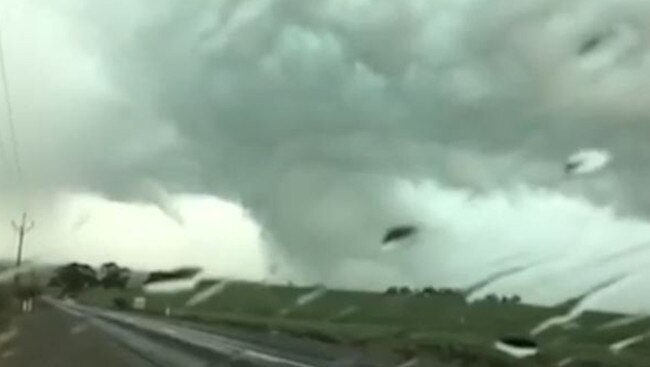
(329, 121)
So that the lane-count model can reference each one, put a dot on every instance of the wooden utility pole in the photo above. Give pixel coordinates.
(22, 229)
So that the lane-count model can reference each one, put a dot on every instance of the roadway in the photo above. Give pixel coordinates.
(48, 337)
(56, 334)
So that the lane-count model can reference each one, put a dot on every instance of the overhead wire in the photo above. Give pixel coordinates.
(13, 138)
(9, 106)
(4, 160)
(3, 149)
(19, 178)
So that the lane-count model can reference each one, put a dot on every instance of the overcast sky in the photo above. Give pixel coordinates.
(245, 135)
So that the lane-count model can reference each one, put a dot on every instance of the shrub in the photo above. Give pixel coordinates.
(121, 303)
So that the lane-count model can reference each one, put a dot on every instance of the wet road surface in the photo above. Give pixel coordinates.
(48, 337)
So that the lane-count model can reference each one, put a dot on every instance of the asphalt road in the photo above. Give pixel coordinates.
(219, 349)
(48, 337)
(56, 334)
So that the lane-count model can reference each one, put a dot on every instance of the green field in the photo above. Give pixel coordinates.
(440, 326)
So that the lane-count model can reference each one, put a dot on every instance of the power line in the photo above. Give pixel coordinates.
(20, 175)
(3, 156)
(10, 111)
(21, 228)
(3, 148)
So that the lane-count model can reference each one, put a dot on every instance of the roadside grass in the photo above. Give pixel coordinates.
(439, 327)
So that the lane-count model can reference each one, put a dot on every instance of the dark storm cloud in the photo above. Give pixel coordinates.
(307, 112)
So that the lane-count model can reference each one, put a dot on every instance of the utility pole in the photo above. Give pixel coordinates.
(22, 229)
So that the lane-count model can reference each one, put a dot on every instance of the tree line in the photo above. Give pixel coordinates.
(73, 278)
(451, 292)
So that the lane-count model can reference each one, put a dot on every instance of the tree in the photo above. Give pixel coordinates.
(54, 282)
(405, 290)
(391, 291)
(121, 303)
(74, 278)
(448, 291)
(428, 291)
(112, 275)
(492, 298)
(106, 269)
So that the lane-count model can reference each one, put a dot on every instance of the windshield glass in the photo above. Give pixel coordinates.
(389, 183)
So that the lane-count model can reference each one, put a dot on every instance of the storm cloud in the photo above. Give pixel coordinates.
(332, 120)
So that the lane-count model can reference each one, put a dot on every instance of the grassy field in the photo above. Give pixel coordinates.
(440, 326)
